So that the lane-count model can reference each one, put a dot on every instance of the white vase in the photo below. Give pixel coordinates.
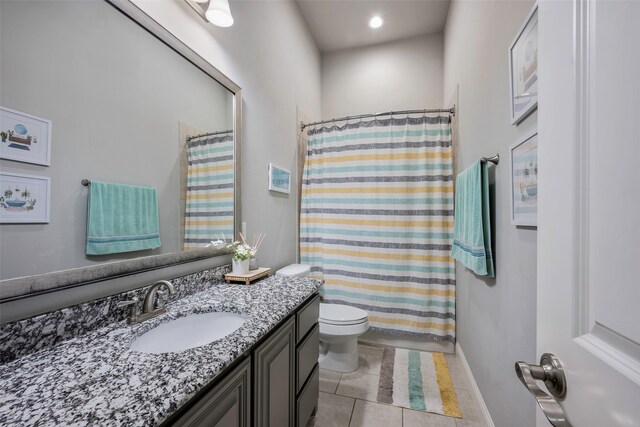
(240, 267)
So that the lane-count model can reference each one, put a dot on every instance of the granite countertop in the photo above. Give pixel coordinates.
(95, 379)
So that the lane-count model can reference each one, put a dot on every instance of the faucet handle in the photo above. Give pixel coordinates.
(133, 302)
(125, 303)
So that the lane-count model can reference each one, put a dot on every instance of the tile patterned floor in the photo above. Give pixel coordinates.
(348, 400)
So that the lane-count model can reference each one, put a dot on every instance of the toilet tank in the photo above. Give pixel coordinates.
(294, 270)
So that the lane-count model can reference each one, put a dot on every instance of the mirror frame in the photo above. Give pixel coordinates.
(36, 285)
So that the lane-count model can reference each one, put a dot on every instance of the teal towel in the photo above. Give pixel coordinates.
(121, 218)
(472, 227)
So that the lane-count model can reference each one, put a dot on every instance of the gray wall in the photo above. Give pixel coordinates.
(271, 55)
(496, 318)
(115, 95)
(400, 75)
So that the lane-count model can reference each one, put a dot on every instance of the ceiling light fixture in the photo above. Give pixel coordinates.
(376, 22)
(219, 13)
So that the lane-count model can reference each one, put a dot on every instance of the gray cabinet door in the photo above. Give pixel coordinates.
(274, 373)
(226, 405)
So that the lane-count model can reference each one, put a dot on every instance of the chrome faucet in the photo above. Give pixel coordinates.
(153, 304)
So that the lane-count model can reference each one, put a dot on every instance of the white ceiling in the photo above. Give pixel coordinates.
(342, 24)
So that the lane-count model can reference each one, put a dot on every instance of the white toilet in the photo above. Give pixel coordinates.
(340, 327)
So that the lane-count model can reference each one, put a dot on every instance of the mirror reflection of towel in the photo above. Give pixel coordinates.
(472, 226)
(121, 218)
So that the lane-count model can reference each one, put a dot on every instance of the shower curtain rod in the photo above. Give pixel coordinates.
(189, 138)
(451, 110)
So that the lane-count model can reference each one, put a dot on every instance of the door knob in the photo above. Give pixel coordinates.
(550, 371)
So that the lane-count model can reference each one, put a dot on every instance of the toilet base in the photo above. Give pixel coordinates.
(339, 354)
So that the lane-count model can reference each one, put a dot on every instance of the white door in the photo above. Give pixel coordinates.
(589, 206)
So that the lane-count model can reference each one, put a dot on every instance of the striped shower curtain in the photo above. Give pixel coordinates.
(376, 221)
(209, 198)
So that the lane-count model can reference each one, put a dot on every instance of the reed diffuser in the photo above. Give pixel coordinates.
(253, 248)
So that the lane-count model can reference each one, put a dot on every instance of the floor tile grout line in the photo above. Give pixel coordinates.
(353, 408)
(338, 385)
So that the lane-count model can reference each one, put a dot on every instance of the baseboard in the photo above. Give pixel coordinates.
(474, 387)
(406, 342)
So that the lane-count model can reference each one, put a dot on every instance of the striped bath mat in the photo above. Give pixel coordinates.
(417, 380)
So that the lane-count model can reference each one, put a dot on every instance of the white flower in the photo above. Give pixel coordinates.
(242, 253)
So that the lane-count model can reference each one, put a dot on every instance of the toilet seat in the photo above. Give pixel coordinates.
(341, 315)
(329, 331)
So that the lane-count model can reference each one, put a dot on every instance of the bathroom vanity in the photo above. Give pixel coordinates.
(76, 365)
(284, 371)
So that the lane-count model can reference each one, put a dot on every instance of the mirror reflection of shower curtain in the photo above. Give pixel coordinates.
(209, 197)
(377, 221)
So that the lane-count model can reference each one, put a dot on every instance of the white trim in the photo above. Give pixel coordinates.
(474, 387)
(580, 200)
(613, 348)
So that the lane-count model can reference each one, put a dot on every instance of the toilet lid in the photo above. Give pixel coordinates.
(294, 270)
(338, 314)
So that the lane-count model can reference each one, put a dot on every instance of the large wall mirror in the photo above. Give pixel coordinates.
(128, 103)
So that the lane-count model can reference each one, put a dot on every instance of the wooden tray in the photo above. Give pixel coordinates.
(251, 276)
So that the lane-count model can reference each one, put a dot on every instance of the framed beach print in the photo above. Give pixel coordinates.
(24, 198)
(523, 69)
(279, 179)
(523, 157)
(25, 138)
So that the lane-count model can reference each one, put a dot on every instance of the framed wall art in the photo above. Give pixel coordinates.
(24, 198)
(523, 157)
(24, 138)
(523, 69)
(279, 179)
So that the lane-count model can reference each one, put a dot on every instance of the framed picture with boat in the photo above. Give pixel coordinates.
(523, 157)
(24, 138)
(24, 199)
(523, 69)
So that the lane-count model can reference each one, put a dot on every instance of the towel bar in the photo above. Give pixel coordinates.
(495, 159)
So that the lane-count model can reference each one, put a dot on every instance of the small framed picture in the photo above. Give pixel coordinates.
(25, 138)
(523, 69)
(279, 179)
(523, 157)
(24, 198)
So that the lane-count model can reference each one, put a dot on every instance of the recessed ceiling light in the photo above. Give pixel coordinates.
(376, 22)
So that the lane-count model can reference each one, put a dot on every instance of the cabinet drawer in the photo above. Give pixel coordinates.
(307, 356)
(226, 405)
(308, 399)
(307, 317)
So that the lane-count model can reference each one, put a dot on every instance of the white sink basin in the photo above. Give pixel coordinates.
(188, 332)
